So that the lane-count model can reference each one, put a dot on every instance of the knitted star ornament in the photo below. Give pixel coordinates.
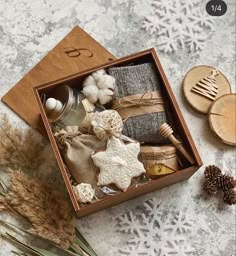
(118, 163)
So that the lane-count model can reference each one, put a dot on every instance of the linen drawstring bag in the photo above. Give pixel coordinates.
(76, 149)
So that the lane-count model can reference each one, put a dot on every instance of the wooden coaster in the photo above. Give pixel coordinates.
(202, 85)
(222, 118)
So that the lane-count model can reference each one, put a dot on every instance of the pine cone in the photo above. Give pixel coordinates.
(225, 182)
(230, 197)
(212, 172)
(210, 186)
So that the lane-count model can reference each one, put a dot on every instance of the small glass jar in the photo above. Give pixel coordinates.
(151, 155)
(73, 111)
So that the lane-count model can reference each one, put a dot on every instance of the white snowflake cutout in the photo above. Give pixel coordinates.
(154, 232)
(178, 24)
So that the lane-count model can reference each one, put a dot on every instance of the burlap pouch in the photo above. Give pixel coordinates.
(140, 80)
(76, 149)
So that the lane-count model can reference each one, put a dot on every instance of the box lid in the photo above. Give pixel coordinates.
(75, 53)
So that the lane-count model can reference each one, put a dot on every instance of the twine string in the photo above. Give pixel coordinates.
(128, 103)
(67, 137)
(110, 131)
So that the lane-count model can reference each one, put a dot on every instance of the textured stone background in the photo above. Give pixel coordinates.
(28, 29)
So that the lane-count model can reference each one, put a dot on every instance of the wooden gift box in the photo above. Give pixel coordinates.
(180, 128)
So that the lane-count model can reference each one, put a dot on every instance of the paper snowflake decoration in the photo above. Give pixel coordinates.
(178, 24)
(155, 232)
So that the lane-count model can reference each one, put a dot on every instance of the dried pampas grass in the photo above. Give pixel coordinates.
(28, 191)
(29, 152)
(50, 215)
(19, 149)
(31, 186)
(3, 203)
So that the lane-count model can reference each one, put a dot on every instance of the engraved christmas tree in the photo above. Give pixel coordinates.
(207, 86)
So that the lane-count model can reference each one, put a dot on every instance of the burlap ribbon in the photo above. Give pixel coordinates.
(139, 104)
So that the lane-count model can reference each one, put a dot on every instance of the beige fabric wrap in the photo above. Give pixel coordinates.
(139, 104)
(76, 149)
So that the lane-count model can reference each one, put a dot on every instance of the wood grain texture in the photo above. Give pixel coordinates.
(222, 118)
(181, 128)
(199, 102)
(60, 62)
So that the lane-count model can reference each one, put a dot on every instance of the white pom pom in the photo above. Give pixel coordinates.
(53, 105)
(89, 81)
(98, 74)
(50, 104)
(58, 107)
(105, 96)
(91, 92)
(106, 82)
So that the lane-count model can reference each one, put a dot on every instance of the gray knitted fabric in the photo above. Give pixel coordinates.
(137, 79)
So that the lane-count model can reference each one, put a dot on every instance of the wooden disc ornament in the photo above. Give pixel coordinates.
(222, 118)
(202, 85)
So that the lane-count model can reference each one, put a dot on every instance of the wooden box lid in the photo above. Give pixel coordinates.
(76, 52)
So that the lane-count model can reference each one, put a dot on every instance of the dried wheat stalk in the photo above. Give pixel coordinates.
(18, 149)
(51, 216)
(3, 204)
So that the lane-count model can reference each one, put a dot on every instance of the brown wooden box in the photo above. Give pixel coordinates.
(180, 128)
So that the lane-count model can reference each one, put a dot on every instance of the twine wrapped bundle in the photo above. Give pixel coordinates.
(139, 102)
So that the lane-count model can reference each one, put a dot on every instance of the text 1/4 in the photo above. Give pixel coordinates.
(216, 7)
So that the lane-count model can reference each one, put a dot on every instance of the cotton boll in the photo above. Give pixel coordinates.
(105, 96)
(106, 82)
(98, 74)
(91, 93)
(89, 81)
(99, 86)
